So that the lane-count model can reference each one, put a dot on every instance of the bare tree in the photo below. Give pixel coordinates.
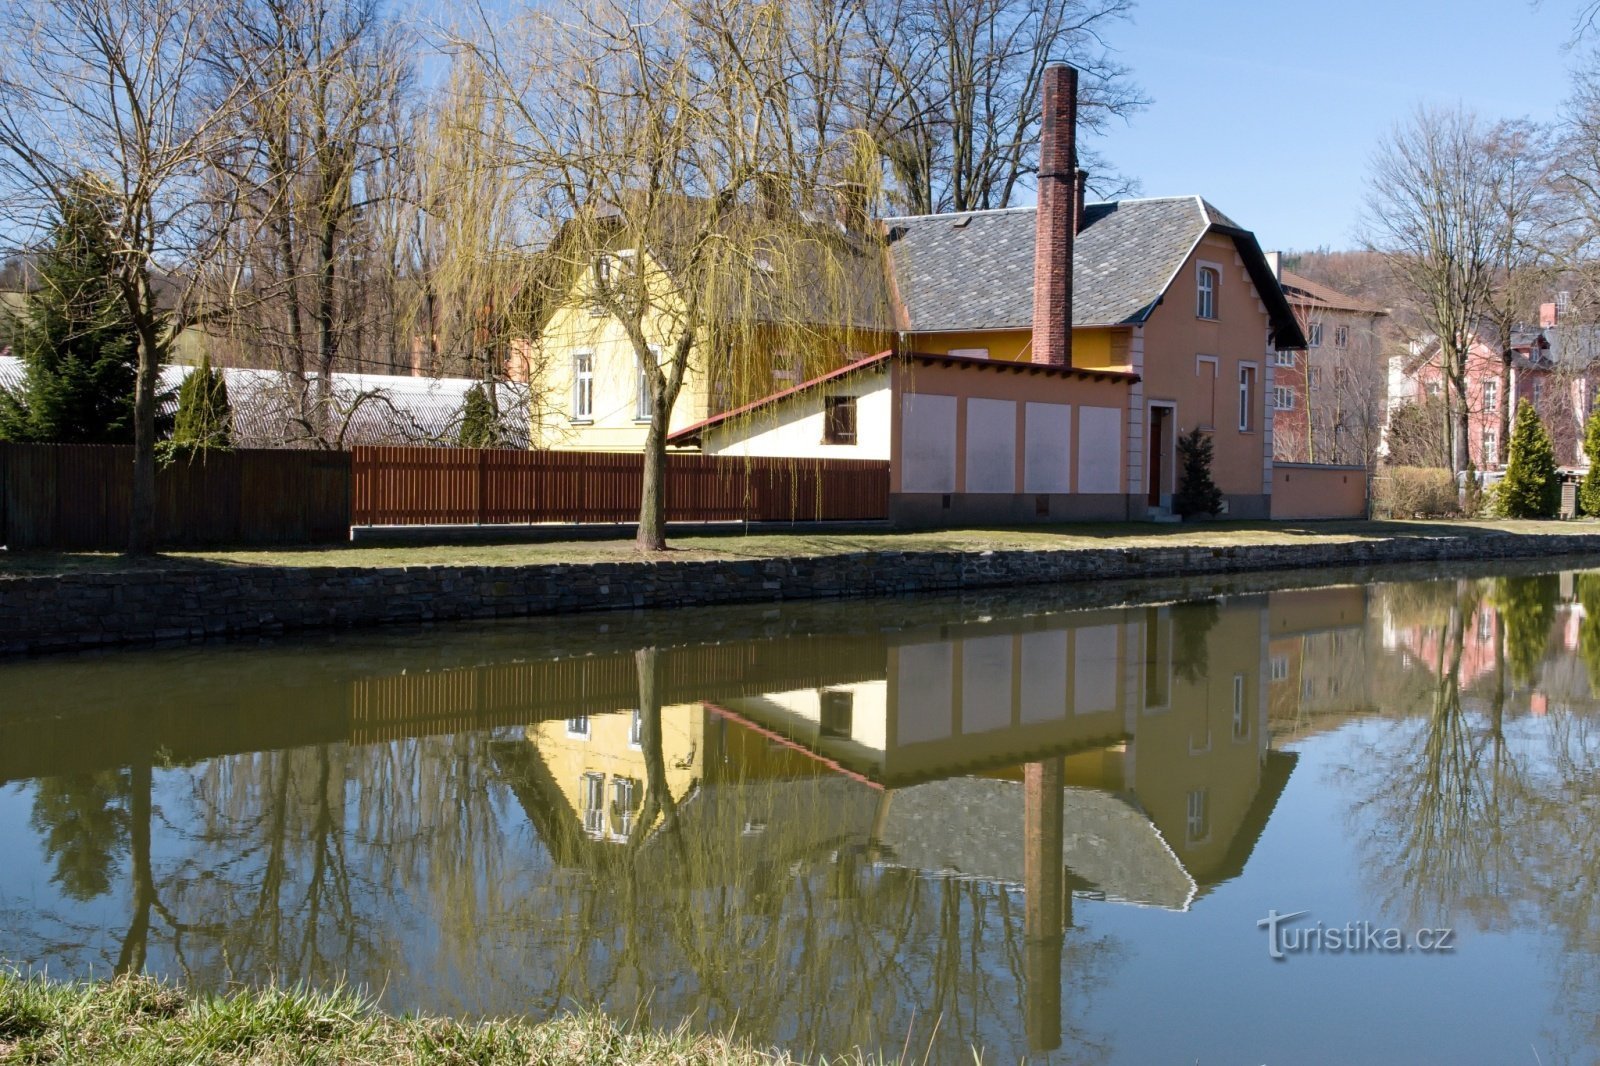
(326, 81)
(108, 92)
(951, 91)
(1520, 153)
(1435, 210)
(683, 210)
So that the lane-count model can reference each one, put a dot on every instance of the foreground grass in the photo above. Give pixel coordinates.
(789, 545)
(142, 1022)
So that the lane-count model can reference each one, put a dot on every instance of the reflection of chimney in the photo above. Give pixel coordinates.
(1046, 904)
(1549, 315)
(1275, 261)
(1056, 223)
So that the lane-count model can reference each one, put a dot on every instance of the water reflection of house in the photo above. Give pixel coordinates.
(1316, 660)
(1158, 714)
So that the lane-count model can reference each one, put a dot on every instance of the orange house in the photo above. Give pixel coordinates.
(1048, 358)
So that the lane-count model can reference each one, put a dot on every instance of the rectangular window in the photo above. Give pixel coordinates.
(1538, 391)
(641, 403)
(583, 387)
(838, 713)
(785, 368)
(1341, 336)
(1241, 717)
(1280, 668)
(1283, 358)
(1491, 447)
(592, 790)
(626, 796)
(1206, 293)
(1247, 398)
(1491, 395)
(636, 730)
(1199, 821)
(1314, 335)
(578, 727)
(839, 416)
(1283, 398)
(1314, 377)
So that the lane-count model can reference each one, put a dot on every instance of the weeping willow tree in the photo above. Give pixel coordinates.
(691, 221)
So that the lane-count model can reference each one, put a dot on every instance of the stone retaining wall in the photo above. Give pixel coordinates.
(53, 613)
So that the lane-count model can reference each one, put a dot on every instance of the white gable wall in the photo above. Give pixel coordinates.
(793, 428)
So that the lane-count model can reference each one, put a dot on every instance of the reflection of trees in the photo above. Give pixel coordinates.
(1445, 790)
(1527, 607)
(1191, 630)
(82, 820)
(1476, 816)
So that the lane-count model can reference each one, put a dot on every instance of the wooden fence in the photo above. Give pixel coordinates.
(428, 486)
(79, 497)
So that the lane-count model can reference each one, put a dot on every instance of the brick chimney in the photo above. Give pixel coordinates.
(1056, 223)
(1548, 315)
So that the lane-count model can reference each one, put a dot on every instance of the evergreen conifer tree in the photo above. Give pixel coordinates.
(205, 416)
(1589, 491)
(1197, 493)
(78, 347)
(480, 428)
(1532, 486)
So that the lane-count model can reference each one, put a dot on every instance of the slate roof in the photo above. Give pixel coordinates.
(974, 270)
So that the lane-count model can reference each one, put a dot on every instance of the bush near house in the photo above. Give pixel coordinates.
(1408, 491)
(205, 416)
(1589, 491)
(1532, 485)
(1197, 493)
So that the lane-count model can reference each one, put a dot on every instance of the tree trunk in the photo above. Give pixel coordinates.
(131, 958)
(142, 528)
(652, 536)
(1504, 439)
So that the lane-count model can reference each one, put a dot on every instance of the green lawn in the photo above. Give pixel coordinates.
(140, 1022)
(779, 545)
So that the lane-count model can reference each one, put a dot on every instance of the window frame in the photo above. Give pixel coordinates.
(641, 399)
(1341, 336)
(1491, 395)
(836, 408)
(1207, 283)
(1247, 402)
(1280, 393)
(583, 386)
(1283, 357)
(1313, 334)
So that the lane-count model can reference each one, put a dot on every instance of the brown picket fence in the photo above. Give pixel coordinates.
(79, 497)
(451, 486)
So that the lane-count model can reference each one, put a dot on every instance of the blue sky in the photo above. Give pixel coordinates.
(1306, 91)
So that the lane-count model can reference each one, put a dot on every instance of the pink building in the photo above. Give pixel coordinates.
(1556, 367)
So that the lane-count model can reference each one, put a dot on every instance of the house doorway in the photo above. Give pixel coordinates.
(1160, 473)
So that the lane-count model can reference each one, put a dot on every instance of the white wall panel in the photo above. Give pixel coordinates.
(991, 446)
(1099, 449)
(928, 443)
(1047, 448)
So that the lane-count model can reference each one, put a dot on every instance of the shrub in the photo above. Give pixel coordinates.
(1406, 491)
(1197, 493)
(1589, 491)
(205, 416)
(1532, 485)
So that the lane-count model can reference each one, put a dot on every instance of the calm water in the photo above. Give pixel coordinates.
(1017, 823)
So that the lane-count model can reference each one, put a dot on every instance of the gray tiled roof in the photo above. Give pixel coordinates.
(975, 271)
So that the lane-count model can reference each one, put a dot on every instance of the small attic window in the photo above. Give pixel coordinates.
(961, 222)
